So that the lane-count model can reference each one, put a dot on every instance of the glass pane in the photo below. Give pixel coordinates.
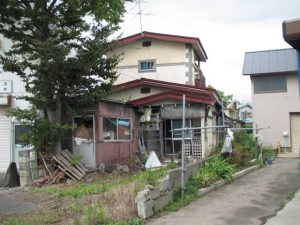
(110, 128)
(278, 83)
(261, 84)
(124, 129)
(20, 131)
(178, 124)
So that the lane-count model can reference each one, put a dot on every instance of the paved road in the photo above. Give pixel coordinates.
(250, 200)
(12, 205)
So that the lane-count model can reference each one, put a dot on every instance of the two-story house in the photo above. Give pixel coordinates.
(154, 73)
(275, 96)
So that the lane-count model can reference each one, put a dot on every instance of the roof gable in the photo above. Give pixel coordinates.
(195, 42)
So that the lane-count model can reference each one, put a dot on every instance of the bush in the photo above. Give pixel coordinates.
(244, 142)
(267, 154)
(213, 170)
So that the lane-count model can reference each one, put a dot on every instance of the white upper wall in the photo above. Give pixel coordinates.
(174, 61)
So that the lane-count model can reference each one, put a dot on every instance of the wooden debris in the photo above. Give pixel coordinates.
(76, 172)
(59, 167)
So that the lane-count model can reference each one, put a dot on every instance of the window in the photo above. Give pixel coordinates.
(147, 66)
(20, 132)
(116, 129)
(146, 43)
(269, 84)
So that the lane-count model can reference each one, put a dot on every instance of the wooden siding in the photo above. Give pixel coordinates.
(115, 151)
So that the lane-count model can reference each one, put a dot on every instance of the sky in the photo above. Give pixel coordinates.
(226, 28)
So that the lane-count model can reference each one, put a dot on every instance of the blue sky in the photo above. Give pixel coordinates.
(226, 28)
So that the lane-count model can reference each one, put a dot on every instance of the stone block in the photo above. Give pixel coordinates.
(26, 154)
(142, 196)
(33, 165)
(25, 173)
(145, 209)
(163, 200)
(164, 184)
(24, 166)
(154, 193)
(25, 181)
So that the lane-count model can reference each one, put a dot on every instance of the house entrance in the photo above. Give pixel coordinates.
(84, 140)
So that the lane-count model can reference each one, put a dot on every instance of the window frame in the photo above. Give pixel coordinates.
(117, 129)
(140, 70)
(269, 81)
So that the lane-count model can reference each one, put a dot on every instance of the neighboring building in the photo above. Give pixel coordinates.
(163, 57)
(245, 113)
(11, 87)
(275, 96)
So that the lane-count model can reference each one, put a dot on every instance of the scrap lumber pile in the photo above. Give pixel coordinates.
(60, 167)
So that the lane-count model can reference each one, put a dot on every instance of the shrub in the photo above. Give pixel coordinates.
(213, 170)
(267, 153)
(244, 141)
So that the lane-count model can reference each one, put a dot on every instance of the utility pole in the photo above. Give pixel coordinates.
(183, 148)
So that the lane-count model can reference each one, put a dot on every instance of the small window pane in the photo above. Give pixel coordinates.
(20, 131)
(261, 84)
(278, 83)
(124, 129)
(147, 65)
(110, 128)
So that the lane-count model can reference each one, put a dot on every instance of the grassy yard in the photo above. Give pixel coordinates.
(103, 200)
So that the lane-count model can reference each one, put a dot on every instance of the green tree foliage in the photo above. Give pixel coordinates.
(226, 98)
(59, 50)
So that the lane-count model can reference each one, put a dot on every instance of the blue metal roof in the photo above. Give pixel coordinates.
(271, 61)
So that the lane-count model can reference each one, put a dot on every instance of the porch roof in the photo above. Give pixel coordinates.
(174, 95)
(170, 91)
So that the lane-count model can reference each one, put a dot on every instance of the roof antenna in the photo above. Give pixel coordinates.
(140, 14)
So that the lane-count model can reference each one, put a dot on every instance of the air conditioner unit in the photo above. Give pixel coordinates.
(5, 86)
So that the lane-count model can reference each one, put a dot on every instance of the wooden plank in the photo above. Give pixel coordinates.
(79, 163)
(71, 168)
(45, 164)
(67, 156)
(66, 169)
(68, 174)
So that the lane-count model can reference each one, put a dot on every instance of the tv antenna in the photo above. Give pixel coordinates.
(140, 13)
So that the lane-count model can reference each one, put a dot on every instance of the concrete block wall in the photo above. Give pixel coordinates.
(153, 199)
(27, 167)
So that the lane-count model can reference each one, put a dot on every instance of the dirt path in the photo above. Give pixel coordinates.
(250, 200)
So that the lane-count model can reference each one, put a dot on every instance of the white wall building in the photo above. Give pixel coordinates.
(163, 57)
(11, 87)
(275, 96)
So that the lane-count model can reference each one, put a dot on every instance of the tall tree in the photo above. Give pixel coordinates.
(59, 50)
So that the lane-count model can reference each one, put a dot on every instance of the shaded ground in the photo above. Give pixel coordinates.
(250, 200)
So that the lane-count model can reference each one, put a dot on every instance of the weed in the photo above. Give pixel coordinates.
(152, 176)
(171, 165)
(75, 160)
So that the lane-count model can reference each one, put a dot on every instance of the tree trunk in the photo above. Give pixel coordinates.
(54, 116)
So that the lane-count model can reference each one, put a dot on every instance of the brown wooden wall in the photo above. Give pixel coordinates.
(113, 152)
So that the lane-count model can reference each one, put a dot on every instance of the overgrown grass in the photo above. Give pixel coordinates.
(110, 200)
(213, 170)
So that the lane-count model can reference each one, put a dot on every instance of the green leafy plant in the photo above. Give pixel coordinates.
(75, 160)
(268, 153)
(152, 176)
